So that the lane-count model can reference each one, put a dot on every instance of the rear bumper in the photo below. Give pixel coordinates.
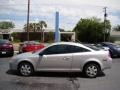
(7, 52)
(107, 64)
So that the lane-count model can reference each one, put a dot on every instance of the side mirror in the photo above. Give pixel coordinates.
(41, 54)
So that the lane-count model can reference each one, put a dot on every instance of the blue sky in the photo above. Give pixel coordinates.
(70, 11)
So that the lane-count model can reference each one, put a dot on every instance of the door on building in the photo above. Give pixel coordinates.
(6, 36)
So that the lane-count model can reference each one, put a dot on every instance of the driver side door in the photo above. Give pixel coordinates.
(56, 58)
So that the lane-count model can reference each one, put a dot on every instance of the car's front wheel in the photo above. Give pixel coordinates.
(25, 69)
(91, 70)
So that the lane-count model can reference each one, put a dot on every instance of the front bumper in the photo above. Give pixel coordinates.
(12, 66)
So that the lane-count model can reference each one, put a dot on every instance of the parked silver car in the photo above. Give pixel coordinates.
(65, 57)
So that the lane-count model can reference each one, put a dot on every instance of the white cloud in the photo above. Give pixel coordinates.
(5, 20)
(115, 20)
(70, 10)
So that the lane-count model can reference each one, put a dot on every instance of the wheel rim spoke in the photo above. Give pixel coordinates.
(92, 70)
(25, 69)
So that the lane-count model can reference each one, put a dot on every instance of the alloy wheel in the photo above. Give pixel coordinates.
(25, 69)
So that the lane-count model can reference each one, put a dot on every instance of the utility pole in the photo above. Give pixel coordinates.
(28, 12)
(105, 18)
(43, 35)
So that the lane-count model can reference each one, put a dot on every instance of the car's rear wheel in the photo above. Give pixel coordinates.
(25, 69)
(91, 70)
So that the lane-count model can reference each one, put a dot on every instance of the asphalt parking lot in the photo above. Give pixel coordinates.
(109, 80)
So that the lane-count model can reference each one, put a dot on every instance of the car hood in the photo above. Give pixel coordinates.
(24, 55)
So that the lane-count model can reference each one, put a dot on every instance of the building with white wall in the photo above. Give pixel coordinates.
(6, 33)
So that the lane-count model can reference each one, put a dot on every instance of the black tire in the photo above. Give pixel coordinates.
(25, 69)
(91, 70)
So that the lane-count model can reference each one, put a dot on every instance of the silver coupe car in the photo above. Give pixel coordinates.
(63, 57)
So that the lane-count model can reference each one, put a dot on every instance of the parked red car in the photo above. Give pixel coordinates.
(28, 46)
(6, 48)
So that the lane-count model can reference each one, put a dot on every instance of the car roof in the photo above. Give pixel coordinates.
(107, 43)
(68, 43)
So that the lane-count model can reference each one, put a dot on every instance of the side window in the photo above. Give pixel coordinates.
(75, 49)
(56, 49)
(50, 50)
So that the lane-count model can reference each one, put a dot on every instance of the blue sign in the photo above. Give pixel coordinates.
(57, 32)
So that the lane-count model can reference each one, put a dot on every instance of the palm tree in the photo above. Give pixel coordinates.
(32, 27)
(40, 27)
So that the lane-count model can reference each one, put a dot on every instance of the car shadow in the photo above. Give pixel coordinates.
(55, 74)
(12, 72)
(5, 56)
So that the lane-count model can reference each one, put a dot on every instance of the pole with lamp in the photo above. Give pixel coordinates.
(105, 18)
(28, 12)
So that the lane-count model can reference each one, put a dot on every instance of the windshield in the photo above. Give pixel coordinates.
(116, 45)
(92, 47)
(38, 51)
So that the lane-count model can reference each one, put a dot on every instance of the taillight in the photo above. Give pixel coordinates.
(10, 45)
(109, 55)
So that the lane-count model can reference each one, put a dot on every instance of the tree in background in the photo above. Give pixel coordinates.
(117, 28)
(92, 30)
(61, 30)
(32, 27)
(6, 25)
(37, 27)
(107, 30)
(41, 25)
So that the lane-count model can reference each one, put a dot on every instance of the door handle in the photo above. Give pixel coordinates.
(66, 58)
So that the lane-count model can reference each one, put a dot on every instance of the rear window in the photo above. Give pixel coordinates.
(75, 49)
(93, 47)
